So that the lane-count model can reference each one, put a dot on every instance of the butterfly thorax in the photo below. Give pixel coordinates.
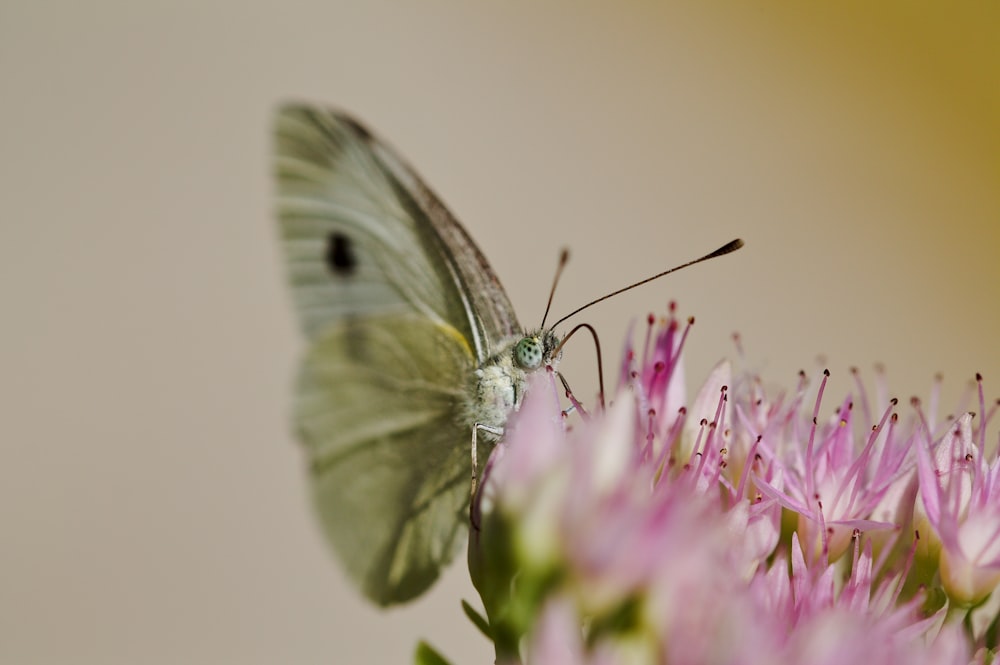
(501, 381)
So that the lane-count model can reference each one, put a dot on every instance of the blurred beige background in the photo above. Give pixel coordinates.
(152, 502)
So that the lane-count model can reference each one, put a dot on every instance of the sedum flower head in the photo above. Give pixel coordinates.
(735, 527)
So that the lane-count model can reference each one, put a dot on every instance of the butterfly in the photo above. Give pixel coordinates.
(414, 348)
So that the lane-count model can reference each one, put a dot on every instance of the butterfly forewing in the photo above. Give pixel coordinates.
(339, 188)
(483, 296)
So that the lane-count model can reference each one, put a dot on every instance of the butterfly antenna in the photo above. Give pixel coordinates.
(728, 248)
(600, 364)
(563, 260)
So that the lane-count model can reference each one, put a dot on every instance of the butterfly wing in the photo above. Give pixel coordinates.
(400, 307)
(364, 235)
(390, 465)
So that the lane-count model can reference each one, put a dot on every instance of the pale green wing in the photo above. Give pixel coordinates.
(390, 464)
(364, 236)
(400, 307)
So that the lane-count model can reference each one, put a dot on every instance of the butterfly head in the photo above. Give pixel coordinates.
(535, 350)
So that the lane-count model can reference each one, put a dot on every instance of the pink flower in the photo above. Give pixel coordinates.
(960, 497)
(652, 532)
(830, 482)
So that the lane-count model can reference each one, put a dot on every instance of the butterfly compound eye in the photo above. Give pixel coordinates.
(528, 353)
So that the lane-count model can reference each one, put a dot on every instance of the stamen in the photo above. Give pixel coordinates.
(810, 446)
(982, 409)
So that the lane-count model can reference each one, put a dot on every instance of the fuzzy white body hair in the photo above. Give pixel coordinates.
(498, 386)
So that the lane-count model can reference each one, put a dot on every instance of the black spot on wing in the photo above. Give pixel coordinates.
(340, 258)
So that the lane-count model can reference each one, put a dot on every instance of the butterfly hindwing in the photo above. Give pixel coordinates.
(389, 463)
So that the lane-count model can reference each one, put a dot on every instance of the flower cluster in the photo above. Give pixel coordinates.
(744, 527)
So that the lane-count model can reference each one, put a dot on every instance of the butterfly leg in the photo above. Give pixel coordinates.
(473, 508)
(497, 432)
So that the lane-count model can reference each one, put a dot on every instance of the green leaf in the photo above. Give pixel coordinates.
(426, 655)
(477, 619)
